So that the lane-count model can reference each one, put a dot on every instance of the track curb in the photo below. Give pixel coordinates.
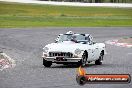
(6, 61)
(115, 42)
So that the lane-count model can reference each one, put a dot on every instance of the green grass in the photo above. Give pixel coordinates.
(29, 15)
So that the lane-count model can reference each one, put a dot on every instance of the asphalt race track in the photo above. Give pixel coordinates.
(24, 45)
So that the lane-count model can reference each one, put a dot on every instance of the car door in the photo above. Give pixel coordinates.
(96, 51)
(90, 52)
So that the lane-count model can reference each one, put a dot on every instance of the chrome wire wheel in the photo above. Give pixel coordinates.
(99, 61)
(84, 59)
(101, 56)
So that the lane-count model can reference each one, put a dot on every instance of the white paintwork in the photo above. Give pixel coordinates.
(93, 50)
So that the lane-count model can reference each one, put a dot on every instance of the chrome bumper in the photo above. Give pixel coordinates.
(54, 59)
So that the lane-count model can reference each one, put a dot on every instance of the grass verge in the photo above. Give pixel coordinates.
(29, 15)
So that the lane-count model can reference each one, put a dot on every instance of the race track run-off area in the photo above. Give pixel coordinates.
(24, 46)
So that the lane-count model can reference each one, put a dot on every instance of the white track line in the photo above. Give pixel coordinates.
(125, 5)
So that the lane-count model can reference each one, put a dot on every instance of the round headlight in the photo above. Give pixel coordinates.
(77, 51)
(45, 49)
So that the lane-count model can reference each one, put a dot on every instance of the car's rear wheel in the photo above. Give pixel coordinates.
(99, 61)
(47, 63)
(83, 60)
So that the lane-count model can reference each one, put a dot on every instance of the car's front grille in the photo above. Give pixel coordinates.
(64, 54)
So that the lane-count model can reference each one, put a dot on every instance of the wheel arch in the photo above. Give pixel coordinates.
(102, 52)
(86, 53)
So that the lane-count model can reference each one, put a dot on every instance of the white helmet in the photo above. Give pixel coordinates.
(69, 32)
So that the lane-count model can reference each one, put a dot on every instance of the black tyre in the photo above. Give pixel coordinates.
(99, 61)
(84, 59)
(47, 63)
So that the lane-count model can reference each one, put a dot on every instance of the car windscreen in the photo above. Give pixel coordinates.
(65, 37)
(81, 38)
(76, 37)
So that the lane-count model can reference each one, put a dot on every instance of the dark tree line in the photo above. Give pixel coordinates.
(94, 1)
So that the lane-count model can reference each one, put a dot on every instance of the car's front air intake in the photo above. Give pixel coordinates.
(64, 54)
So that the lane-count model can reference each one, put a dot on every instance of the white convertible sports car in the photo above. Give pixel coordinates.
(72, 48)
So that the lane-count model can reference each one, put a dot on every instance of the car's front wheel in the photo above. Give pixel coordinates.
(83, 60)
(47, 63)
(99, 61)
